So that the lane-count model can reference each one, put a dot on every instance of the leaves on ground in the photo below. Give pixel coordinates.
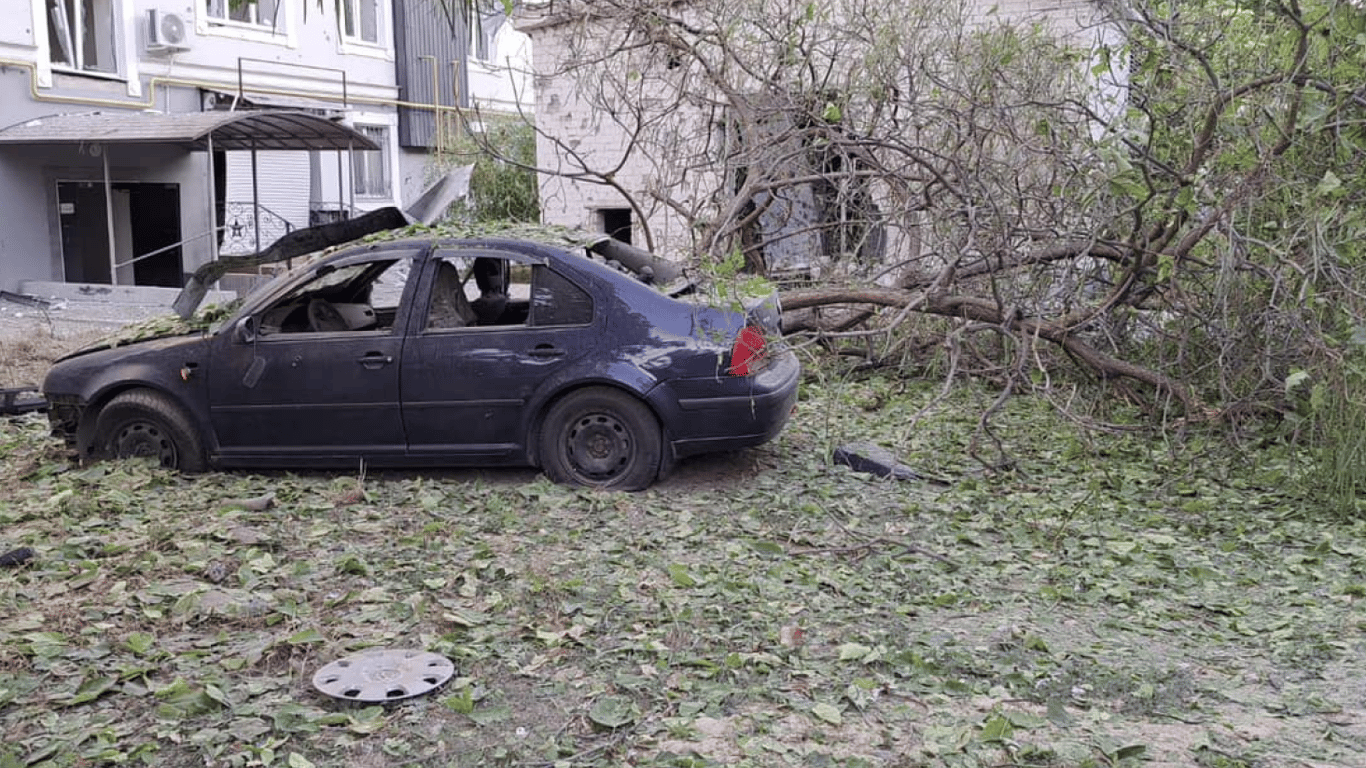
(1114, 600)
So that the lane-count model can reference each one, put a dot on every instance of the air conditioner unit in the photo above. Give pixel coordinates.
(165, 32)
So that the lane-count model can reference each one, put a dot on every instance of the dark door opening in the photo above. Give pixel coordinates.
(616, 222)
(146, 218)
(85, 231)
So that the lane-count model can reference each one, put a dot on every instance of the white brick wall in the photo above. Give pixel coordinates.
(576, 134)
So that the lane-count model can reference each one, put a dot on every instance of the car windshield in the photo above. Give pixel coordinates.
(329, 278)
(281, 276)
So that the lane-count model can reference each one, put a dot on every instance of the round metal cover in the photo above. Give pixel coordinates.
(383, 675)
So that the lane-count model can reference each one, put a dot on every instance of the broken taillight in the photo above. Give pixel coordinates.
(747, 354)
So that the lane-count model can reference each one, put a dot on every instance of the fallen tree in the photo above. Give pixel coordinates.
(1168, 199)
(981, 310)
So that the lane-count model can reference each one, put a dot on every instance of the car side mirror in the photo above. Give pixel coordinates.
(245, 330)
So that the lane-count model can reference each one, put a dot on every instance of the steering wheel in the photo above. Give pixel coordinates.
(322, 316)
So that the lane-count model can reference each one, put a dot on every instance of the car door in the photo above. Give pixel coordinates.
(469, 375)
(303, 393)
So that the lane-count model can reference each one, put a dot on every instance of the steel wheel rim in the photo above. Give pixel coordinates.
(141, 439)
(599, 446)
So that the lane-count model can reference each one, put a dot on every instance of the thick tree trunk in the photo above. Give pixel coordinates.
(985, 311)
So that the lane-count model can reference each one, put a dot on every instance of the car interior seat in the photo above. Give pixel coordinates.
(492, 281)
(450, 308)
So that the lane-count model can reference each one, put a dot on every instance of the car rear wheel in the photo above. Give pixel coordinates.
(141, 423)
(602, 438)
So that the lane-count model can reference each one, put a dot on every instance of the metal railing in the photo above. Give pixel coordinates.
(239, 228)
(326, 213)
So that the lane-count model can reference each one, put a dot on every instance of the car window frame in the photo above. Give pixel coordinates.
(310, 272)
(577, 283)
(419, 318)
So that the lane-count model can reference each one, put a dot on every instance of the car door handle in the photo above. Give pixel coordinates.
(546, 350)
(373, 361)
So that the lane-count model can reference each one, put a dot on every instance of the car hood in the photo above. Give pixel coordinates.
(155, 328)
(77, 370)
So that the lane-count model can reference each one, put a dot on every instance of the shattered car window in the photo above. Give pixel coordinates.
(364, 296)
(483, 290)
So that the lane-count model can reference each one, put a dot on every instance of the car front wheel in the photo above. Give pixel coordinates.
(141, 423)
(602, 438)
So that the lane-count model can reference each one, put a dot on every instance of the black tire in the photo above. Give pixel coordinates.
(601, 438)
(143, 423)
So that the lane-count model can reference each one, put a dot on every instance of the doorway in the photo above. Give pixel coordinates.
(146, 217)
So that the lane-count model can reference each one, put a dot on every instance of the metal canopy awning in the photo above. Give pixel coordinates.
(195, 131)
(210, 131)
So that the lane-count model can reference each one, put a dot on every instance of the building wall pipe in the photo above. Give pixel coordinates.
(160, 81)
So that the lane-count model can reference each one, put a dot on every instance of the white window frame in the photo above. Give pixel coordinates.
(382, 47)
(352, 14)
(264, 14)
(362, 162)
(213, 17)
(59, 24)
(484, 41)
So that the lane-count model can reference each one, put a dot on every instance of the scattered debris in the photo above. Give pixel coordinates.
(16, 557)
(383, 674)
(218, 571)
(17, 400)
(875, 460)
(25, 300)
(222, 602)
(256, 504)
(245, 536)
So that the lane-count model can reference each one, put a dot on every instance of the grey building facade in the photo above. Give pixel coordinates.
(122, 196)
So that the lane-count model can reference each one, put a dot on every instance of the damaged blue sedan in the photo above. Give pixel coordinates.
(427, 351)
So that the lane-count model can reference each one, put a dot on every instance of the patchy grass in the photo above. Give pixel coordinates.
(1114, 600)
(28, 350)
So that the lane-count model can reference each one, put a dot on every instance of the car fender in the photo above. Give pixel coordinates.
(620, 374)
(184, 383)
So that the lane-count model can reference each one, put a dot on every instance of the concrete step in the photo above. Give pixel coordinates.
(144, 295)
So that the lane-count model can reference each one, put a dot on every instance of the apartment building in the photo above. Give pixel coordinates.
(624, 122)
(140, 139)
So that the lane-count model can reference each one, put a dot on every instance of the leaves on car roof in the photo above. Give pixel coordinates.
(564, 237)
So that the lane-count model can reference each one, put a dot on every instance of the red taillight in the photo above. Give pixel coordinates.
(747, 356)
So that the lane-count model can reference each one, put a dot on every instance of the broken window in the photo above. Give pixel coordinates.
(362, 296)
(616, 222)
(481, 289)
(261, 13)
(82, 35)
(485, 37)
(828, 213)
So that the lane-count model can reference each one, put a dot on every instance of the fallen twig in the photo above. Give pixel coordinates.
(861, 551)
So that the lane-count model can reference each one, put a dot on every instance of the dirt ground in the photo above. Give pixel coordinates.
(31, 337)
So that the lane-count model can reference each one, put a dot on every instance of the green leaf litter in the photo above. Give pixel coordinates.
(1116, 599)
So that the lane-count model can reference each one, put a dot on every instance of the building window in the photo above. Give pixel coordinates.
(256, 13)
(486, 36)
(616, 222)
(82, 34)
(360, 20)
(370, 168)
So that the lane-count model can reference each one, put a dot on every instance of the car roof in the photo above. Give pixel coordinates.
(564, 238)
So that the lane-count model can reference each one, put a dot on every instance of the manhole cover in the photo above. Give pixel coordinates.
(383, 675)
